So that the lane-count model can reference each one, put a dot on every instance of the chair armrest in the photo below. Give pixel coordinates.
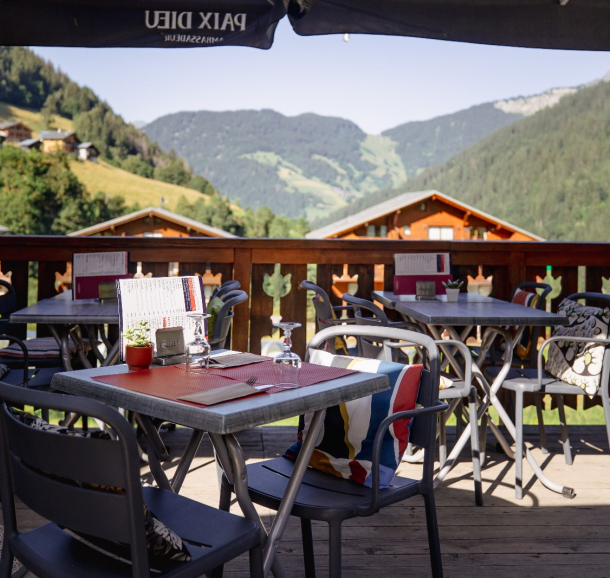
(26, 358)
(436, 407)
(348, 321)
(568, 338)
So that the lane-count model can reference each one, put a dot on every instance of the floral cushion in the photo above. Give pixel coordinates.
(579, 363)
(164, 546)
(345, 449)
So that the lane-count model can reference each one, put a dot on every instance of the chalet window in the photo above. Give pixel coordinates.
(370, 231)
(406, 229)
(383, 231)
(440, 233)
(152, 234)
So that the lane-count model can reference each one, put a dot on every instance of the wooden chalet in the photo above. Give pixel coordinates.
(152, 222)
(87, 151)
(59, 140)
(425, 215)
(16, 131)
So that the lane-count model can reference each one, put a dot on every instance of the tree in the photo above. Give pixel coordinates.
(173, 173)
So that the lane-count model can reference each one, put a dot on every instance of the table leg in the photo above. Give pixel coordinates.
(229, 452)
(60, 333)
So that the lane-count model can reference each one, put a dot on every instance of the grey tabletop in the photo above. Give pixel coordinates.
(470, 309)
(61, 309)
(228, 417)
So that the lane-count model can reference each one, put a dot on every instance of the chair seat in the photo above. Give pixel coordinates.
(527, 380)
(37, 378)
(321, 496)
(453, 392)
(39, 348)
(221, 534)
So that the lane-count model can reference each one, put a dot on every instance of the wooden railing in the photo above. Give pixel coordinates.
(580, 266)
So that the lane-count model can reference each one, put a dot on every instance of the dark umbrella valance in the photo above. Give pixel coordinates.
(139, 23)
(560, 24)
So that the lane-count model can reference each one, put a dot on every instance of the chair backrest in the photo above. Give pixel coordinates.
(8, 305)
(422, 428)
(227, 286)
(545, 290)
(367, 313)
(225, 317)
(58, 476)
(321, 304)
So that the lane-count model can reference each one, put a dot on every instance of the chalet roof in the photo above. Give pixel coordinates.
(56, 134)
(86, 145)
(11, 123)
(28, 143)
(154, 212)
(400, 202)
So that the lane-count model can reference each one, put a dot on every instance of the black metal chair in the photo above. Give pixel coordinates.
(225, 317)
(230, 285)
(536, 380)
(65, 478)
(333, 500)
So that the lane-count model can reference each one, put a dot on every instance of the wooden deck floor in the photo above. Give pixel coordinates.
(542, 536)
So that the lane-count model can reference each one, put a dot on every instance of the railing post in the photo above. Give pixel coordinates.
(516, 268)
(242, 271)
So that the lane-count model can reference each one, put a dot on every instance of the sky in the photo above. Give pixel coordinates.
(378, 82)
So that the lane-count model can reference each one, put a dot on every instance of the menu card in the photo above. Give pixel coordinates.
(422, 264)
(91, 269)
(162, 301)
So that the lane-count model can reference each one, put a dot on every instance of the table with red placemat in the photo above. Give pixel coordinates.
(155, 393)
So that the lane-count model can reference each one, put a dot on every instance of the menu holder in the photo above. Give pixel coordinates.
(409, 268)
(218, 395)
(90, 270)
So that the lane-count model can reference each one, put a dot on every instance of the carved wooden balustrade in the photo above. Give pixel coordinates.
(254, 262)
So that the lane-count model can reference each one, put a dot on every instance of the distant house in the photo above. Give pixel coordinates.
(423, 215)
(15, 131)
(30, 143)
(3, 135)
(153, 222)
(59, 140)
(87, 152)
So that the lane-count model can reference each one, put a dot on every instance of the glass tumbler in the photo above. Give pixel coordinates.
(286, 364)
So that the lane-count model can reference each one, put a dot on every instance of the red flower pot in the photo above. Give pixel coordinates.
(138, 358)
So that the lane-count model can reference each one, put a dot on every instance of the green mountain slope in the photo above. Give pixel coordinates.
(424, 144)
(309, 163)
(548, 173)
(314, 165)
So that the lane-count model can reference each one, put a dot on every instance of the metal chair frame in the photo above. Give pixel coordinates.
(333, 500)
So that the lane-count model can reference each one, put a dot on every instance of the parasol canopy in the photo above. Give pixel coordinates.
(558, 24)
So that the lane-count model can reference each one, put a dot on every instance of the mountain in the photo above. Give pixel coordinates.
(314, 165)
(548, 173)
(309, 163)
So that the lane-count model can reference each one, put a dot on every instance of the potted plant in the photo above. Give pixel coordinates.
(452, 288)
(139, 348)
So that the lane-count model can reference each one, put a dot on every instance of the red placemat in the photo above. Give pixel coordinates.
(174, 381)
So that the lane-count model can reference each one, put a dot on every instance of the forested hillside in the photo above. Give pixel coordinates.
(313, 165)
(548, 173)
(26, 80)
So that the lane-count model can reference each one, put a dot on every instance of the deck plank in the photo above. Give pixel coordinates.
(542, 536)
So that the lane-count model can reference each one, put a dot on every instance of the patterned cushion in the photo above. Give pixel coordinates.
(579, 363)
(345, 448)
(527, 299)
(164, 546)
(40, 348)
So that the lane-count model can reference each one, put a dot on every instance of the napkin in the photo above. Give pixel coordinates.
(220, 394)
(234, 359)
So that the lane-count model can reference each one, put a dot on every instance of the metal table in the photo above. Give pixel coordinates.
(472, 309)
(221, 422)
(65, 317)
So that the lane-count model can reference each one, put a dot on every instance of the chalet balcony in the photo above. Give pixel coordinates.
(544, 535)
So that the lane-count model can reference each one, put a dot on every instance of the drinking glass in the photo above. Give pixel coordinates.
(287, 364)
(198, 351)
